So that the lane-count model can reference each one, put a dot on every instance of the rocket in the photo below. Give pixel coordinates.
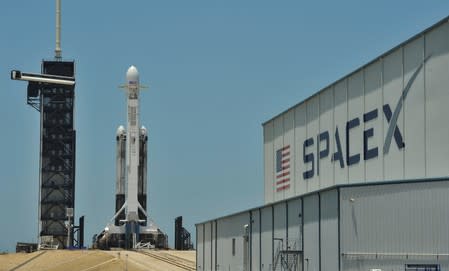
(131, 162)
(131, 227)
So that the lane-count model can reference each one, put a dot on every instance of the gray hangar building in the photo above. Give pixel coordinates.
(356, 176)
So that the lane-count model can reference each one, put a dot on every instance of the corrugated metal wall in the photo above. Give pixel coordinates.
(275, 228)
(230, 228)
(268, 161)
(280, 227)
(358, 228)
(214, 236)
(255, 240)
(267, 238)
(418, 146)
(200, 247)
(311, 233)
(329, 247)
(295, 223)
(268, 226)
(402, 223)
(208, 245)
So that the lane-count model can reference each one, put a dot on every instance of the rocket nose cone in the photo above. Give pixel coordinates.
(120, 130)
(132, 75)
(143, 131)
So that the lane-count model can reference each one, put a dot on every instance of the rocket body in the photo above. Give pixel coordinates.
(132, 144)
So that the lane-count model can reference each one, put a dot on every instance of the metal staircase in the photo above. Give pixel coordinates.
(286, 259)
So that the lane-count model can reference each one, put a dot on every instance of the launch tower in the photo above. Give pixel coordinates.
(57, 161)
(52, 93)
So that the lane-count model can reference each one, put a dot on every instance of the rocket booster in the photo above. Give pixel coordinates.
(142, 182)
(120, 186)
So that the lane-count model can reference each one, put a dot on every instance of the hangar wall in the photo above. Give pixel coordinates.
(292, 225)
(390, 225)
(384, 122)
(384, 226)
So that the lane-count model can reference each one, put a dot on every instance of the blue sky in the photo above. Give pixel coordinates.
(216, 70)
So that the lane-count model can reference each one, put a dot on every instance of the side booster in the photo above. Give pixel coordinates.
(121, 174)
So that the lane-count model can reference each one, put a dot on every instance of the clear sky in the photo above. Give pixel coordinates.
(216, 69)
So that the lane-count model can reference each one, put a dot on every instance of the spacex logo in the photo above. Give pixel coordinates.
(317, 148)
(394, 118)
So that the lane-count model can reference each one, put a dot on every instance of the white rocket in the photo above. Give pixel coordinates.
(131, 222)
(134, 137)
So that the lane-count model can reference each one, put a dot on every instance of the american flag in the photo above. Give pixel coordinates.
(283, 168)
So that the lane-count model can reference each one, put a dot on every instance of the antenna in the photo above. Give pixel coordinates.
(58, 30)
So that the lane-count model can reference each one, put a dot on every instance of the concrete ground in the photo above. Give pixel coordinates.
(97, 260)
